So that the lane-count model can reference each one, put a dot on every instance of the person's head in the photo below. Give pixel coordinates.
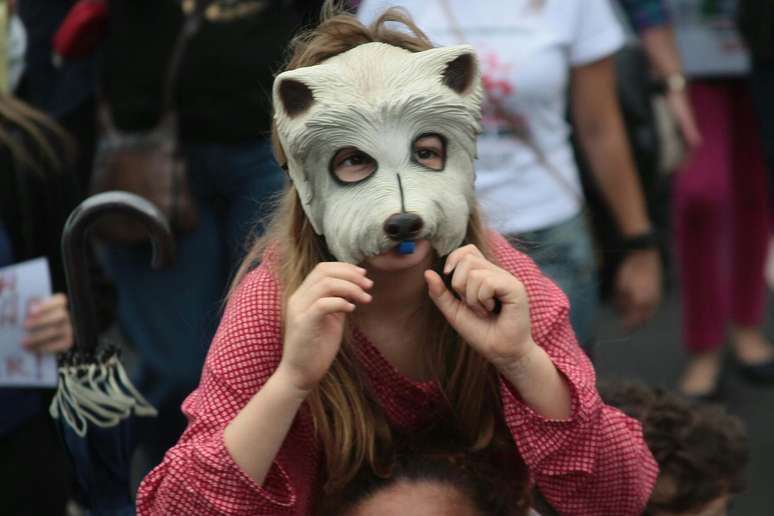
(443, 484)
(377, 131)
(701, 450)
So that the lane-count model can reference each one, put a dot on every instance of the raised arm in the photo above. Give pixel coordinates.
(315, 324)
(593, 462)
(587, 458)
(593, 459)
(249, 447)
(205, 472)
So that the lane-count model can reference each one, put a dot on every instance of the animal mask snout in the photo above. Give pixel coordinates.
(403, 226)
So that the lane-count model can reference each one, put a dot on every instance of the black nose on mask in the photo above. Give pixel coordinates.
(403, 226)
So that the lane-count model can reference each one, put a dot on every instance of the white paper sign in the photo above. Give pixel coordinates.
(21, 286)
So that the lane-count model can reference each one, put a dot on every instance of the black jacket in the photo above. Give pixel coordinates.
(224, 87)
(756, 23)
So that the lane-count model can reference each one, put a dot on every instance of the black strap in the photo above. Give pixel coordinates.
(191, 25)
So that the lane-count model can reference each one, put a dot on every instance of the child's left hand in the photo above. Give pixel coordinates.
(503, 338)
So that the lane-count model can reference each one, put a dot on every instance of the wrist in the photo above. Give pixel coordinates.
(283, 379)
(519, 367)
(671, 83)
(648, 240)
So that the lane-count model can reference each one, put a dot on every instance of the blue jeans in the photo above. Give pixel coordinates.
(565, 254)
(171, 315)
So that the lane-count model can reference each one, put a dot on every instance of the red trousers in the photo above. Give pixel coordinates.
(722, 223)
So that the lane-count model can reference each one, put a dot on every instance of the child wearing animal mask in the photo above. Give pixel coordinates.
(701, 450)
(380, 306)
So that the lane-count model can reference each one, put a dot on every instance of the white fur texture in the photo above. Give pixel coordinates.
(379, 98)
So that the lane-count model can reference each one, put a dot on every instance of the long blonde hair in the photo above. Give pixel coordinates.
(20, 122)
(351, 427)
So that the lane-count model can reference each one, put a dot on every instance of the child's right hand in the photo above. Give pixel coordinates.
(314, 323)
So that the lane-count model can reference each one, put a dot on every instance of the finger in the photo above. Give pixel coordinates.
(635, 312)
(623, 306)
(458, 254)
(472, 289)
(57, 346)
(465, 266)
(55, 303)
(635, 318)
(51, 317)
(692, 135)
(438, 292)
(331, 305)
(335, 287)
(33, 341)
(341, 270)
(486, 295)
(459, 276)
(643, 313)
(451, 308)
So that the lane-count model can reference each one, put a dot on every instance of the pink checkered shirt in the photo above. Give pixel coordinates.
(594, 463)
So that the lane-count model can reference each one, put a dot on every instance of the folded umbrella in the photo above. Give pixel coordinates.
(95, 401)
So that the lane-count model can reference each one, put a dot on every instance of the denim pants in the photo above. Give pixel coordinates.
(564, 252)
(171, 315)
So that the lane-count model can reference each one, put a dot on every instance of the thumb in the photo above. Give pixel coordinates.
(441, 296)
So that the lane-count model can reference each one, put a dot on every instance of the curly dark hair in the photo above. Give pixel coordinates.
(436, 455)
(700, 448)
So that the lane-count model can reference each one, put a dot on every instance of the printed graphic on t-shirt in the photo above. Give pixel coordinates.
(496, 120)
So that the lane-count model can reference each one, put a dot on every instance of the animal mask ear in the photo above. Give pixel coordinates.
(457, 67)
(294, 96)
(460, 73)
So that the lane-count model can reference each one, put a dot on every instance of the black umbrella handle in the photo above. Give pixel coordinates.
(74, 253)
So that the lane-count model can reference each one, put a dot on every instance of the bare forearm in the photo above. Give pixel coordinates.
(540, 384)
(256, 434)
(601, 133)
(608, 153)
(659, 45)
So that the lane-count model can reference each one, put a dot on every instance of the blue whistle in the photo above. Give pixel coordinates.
(407, 247)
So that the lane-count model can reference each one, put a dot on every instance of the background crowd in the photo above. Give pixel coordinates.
(627, 146)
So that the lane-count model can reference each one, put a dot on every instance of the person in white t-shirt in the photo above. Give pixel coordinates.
(527, 180)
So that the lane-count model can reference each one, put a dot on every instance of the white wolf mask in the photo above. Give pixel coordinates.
(380, 99)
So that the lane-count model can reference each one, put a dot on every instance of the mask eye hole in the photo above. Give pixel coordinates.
(430, 151)
(351, 165)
